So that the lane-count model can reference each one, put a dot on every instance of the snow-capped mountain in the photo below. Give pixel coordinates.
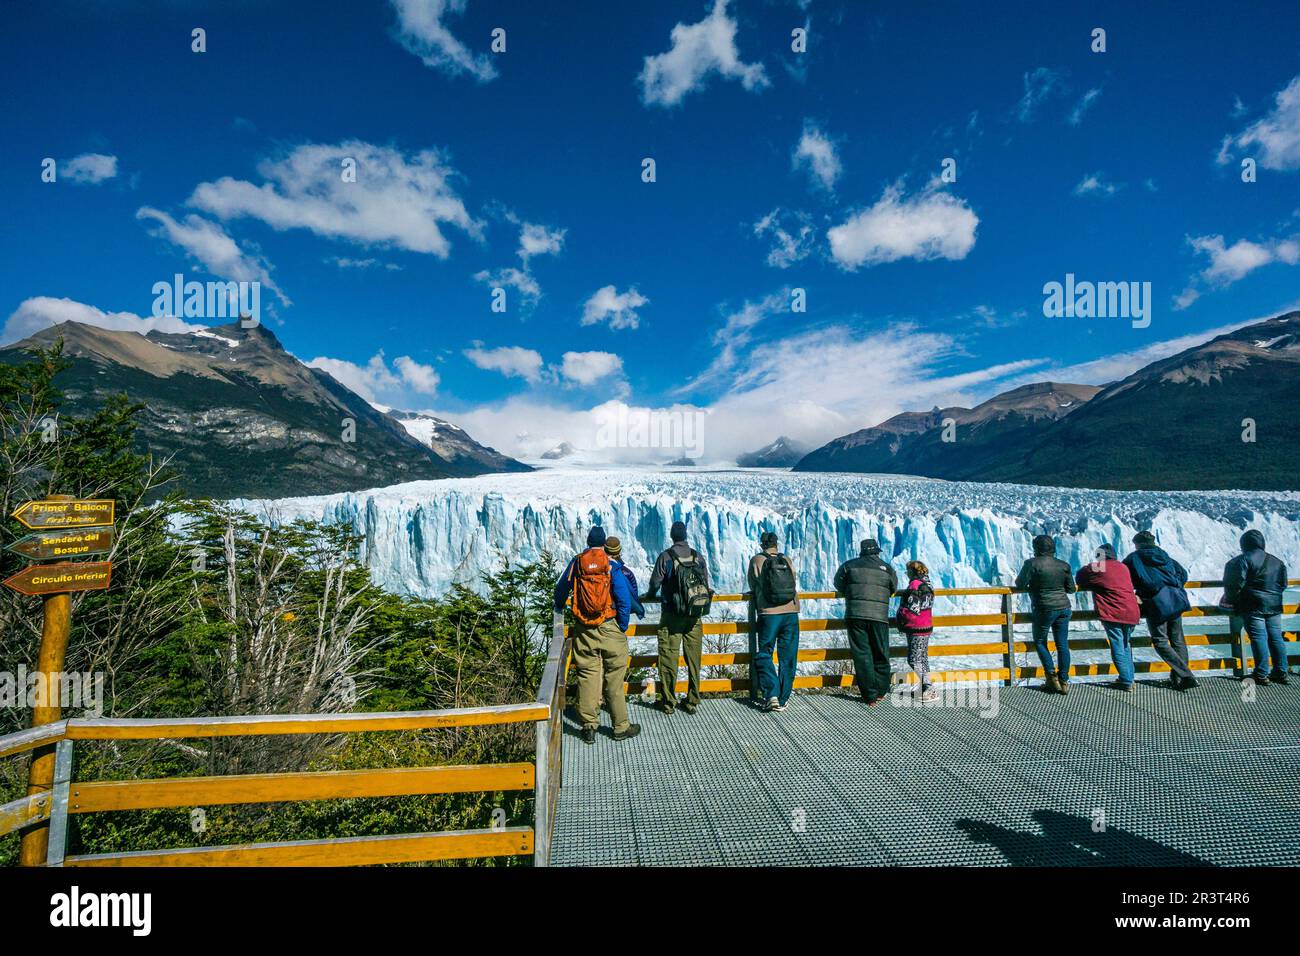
(238, 414)
(452, 443)
(421, 537)
(781, 453)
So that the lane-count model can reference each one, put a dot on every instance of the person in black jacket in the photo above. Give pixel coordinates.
(681, 634)
(1050, 582)
(867, 583)
(1253, 584)
(1158, 580)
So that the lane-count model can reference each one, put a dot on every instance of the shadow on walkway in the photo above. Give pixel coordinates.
(1069, 840)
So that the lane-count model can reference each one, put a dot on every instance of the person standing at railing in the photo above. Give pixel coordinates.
(1116, 606)
(1050, 583)
(1253, 585)
(1158, 580)
(867, 584)
(916, 621)
(681, 577)
(774, 590)
(602, 604)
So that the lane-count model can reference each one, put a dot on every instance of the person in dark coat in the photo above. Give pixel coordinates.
(1050, 583)
(867, 583)
(1158, 580)
(1253, 584)
(1117, 608)
(681, 634)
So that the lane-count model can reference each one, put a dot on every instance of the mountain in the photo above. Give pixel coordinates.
(562, 450)
(782, 453)
(238, 415)
(453, 444)
(913, 443)
(1181, 423)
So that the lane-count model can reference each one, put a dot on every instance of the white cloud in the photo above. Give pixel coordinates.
(375, 379)
(815, 152)
(1095, 184)
(1231, 263)
(520, 280)
(1085, 101)
(931, 225)
(1276, 136)
(698, 50)
(538, 240)
(734, 335)
(421, 31)
(607, 304)
(398, 200)
(1040, 85)
(345, 263)
(587, 368)
(212, 247)
(792, 237)
(41, 312)
(88, 168)
(509, 360)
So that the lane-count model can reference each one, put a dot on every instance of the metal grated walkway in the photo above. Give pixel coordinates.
(1181, 779)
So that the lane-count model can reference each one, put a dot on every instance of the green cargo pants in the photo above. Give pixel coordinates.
(679, 634)
(600, 663)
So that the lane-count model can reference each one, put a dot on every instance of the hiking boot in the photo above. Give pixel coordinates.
(1062, 686)
(777, 707)
(1189, 683)
(664, 707)
(1279, 677)
(1051, 684)
(1121, 685)
(689, 708)
(1261, 680)
(872, 701)
(632, 731)
(772, 703)
(588, 735)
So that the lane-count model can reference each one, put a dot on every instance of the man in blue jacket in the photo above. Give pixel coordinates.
(602, 605)
(1253, 583)
(1158, 580)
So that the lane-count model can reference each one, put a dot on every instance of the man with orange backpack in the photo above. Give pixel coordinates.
(602, 604)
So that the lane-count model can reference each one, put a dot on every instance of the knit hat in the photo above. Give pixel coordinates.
(1144, 539)
(1044, 544)
(869, 546)
(613, 547)
(1252, 541)
(678, 531)
(596, 537)
(768, 540)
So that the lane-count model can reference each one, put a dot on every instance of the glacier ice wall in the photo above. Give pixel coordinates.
(421, 537)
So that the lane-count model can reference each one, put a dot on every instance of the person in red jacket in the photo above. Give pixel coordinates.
(1117, 608)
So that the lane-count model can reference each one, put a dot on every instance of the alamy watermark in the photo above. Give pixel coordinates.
(676, 429)
(82, 690)
(209, 300)
(971, 690)
(1099, 300)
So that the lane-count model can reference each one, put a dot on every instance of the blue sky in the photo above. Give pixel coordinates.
(775, 171)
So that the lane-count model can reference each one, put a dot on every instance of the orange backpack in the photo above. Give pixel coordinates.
(593, 601)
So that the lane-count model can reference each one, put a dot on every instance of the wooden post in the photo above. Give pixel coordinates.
(55, 627)
(1009, 636)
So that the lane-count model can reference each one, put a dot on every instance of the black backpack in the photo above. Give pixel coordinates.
(777, 580)
(691, 594)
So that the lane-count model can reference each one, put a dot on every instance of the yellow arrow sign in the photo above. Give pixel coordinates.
(59, 578)
(38, 515)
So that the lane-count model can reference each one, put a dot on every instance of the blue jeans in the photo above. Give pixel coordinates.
(1121, 649)
(1058, 624)
(1265, 632)
(779, 632)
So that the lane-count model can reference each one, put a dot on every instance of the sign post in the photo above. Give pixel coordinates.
(59, 522)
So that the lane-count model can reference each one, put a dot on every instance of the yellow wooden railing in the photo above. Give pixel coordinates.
(1006, 618)
(50, 809)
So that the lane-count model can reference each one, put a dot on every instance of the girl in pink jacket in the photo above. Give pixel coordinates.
(914, 620)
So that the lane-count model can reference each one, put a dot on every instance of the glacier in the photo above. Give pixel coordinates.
(419, 538)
